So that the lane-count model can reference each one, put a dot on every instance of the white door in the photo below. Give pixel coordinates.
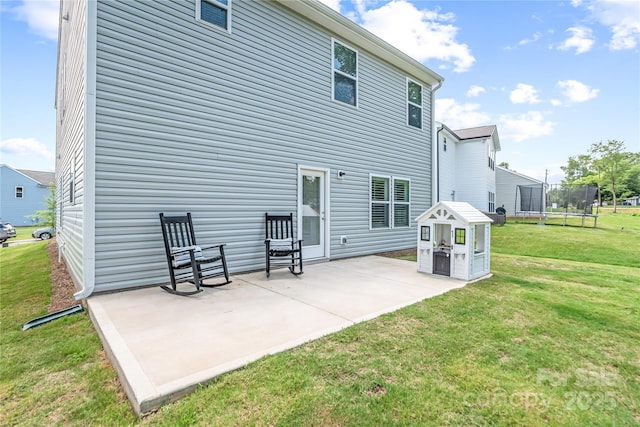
(312, 218)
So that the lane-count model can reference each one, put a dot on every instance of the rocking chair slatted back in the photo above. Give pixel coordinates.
(179, 230)
(279, 226)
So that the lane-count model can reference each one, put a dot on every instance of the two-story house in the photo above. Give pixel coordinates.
(229, 109)
(22, 194)
(465, 165)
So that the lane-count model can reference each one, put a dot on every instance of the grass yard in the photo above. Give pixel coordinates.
(551, 339)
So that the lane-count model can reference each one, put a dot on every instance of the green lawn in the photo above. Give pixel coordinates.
(551, 339)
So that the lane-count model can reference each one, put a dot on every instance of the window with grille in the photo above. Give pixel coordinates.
(414, 104)
(390, 205)
(345, 74)
(19, 192)
(215, 12)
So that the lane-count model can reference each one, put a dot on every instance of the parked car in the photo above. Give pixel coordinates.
(6, 232)
(11, 232)
(43, 233)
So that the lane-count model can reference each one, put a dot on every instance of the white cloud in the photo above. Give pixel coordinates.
(40, 15)
(581, 40)
(25, 147)
(475, 91)
(524, 94)
(623, 18)
(520, 127)
(333, 4)
(537, 36)
(459, 116)
(576, 91)
(422, 34)
(556, 102)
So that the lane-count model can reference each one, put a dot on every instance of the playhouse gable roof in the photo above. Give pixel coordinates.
(455, 211)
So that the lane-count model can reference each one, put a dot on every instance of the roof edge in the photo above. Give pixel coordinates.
(357, 35)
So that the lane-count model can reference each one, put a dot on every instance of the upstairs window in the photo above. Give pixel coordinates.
(491, 155)
(414, 104)
(345, 74)
(215, 12)
(19, 192)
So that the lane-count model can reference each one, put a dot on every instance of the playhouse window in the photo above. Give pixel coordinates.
(478, 238)
(425, 233)
(460, 236)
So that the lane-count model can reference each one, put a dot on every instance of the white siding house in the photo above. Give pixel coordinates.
(465, 165)
(507, 182)
(230, 110)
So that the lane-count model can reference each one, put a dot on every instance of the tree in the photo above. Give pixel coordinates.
(47, 216)
(504, 165)
(609, 158)
(577, 169)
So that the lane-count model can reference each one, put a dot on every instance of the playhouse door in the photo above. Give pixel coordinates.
(312, 214)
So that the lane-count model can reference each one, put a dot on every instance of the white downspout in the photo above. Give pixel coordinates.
(89, 202)
(435, 172)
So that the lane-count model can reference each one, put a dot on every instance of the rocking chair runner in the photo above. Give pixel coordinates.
(188, 262)
(280, 243)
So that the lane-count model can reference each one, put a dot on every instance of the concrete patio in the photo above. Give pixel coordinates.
(164, 345)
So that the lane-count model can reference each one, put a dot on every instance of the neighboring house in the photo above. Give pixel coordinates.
(22, 193)
(465, 167)
(507, 193)
(230, 109)
(632, 201)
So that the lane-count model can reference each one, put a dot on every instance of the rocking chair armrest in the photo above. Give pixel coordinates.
(183, 249)
(213, 246)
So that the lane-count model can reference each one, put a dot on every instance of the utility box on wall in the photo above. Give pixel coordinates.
(454, 239)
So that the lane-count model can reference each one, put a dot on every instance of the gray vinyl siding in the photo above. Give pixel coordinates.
(190, 118)
(70, 121)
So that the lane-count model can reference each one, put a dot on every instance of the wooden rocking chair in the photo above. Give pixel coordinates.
(280, 243)
(186, 260)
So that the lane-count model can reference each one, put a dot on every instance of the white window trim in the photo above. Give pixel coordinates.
(333, 70)
(391, 201)
(406, 86)
(227, 7)
(21, 192)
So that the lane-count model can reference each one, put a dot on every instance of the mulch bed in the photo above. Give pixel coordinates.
(396, 254)
(62, 286)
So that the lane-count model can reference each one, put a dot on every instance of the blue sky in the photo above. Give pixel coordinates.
(554, 76)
